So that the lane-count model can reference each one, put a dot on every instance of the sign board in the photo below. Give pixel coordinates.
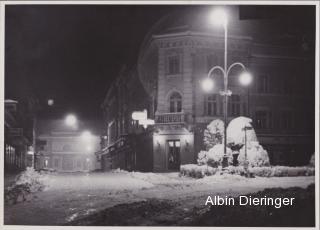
(140, 115)
(146, 122)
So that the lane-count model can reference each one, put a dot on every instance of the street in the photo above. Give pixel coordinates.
(70, 197)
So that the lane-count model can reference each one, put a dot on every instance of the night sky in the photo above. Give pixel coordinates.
(72, 53)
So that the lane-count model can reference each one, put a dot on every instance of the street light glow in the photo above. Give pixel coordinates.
(207, 84)
(50, 102)
(245, 78)
(218, 17)
(86, 135)
(71, 120)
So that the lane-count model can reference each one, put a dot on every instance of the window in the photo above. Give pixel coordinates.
(261, 119)
(211, 105)
(173, 64)
(286, 120)
(56, 163)
(175, 102)
(66, 147)
(235, 105)
(263, 84)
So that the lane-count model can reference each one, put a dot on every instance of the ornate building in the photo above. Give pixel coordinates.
(177, 54)
(65, 149)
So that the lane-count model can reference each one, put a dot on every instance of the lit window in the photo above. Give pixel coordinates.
(175, 102)
(173, 66)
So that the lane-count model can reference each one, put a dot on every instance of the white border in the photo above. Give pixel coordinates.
(191, 2)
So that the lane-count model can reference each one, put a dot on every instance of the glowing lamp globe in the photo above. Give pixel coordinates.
(50, 102)
(218, 17)
(207, 84)
(71, 120)
(245, 78)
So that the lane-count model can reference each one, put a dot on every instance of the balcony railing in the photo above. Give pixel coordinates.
(170, 118)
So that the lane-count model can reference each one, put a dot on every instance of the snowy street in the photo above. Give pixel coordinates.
(70, 197)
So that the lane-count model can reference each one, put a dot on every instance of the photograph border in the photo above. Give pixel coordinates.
(2, 78)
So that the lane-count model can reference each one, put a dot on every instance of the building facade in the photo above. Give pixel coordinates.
(18, 136)
(175, 57)
(62, 149)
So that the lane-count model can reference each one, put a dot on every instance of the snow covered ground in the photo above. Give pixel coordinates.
(72, 196)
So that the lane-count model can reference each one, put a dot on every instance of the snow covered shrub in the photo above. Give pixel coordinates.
(24, 185)
(202, 158)
(236, 133)
(237, 170)
(257, 156)
(197, 171)
(312, 161)
(35, 180)
(215, 155)
(282, 171)
(213, 134)
(261, 171)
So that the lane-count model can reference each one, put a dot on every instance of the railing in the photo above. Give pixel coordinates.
(170, 118)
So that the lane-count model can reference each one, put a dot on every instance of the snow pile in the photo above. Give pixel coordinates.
(197, 171)
(25, 184)
(257, 156)
(35, 180)
(214, 156)
(236, 134)
(213, 134)
(154, 178)
(312, 161)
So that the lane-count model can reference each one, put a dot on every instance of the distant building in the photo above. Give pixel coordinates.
(175, 56)
(65, 149)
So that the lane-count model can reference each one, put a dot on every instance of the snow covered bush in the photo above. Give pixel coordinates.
(238, 170)
(26, 183)
(257, 156)
(236, 133)
(282, 171)
(213, 134)
(312, 161)
(214, 156)
(197, 171)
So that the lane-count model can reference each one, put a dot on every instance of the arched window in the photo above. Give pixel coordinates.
(175, 102)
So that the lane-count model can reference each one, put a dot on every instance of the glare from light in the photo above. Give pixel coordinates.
(207, 84)
(50, 102)
(218, 17)
(86, 135)
(89, 148)
(71, 120)
(245, 78)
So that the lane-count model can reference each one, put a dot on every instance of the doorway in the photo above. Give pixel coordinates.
(173, 154)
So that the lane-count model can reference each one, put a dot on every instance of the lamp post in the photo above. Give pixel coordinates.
(246, 163)
(219, 16)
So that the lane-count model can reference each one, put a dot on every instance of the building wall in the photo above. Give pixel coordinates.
(283, 92)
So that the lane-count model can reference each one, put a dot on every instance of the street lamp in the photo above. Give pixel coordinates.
(219, 16)
(71, 120)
